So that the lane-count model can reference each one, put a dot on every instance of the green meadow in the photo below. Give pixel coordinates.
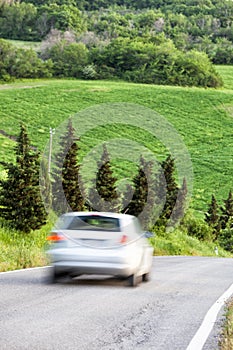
(202, 117)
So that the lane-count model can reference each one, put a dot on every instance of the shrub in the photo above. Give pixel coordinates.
(197, 228)
(89, 72)
(69, 59)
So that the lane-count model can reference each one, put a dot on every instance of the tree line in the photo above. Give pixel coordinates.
(205, 25)
(155, 198)
(160, 42)
(134, 61)
(20, 193)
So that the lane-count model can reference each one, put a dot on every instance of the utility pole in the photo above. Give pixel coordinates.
(51, 132)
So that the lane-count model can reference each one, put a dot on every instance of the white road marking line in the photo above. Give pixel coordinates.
(22, 270)
(207, 325)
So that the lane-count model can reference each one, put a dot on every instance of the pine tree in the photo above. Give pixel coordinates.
(168, 166)
(142, 203)
(212, 217)
(67, 185)
(227, 211)
(180, 206)
(20, 199)
(160, 195)
(103, 193)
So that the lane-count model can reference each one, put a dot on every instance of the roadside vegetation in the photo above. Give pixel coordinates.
(226, 340)
(20, 250)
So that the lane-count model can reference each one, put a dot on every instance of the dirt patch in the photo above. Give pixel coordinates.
(6, 87)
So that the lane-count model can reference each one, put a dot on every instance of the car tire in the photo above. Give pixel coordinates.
(57, 276)
(133, 280)
(146, 277)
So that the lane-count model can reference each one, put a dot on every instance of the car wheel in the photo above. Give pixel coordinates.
(132, 280)
(146, 277)
(57, 276)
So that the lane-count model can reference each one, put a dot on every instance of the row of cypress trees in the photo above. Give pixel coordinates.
(147, 193)
(22, 206)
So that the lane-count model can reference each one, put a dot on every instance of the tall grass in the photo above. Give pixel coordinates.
(179, 243)
(226, 340)
(20, 250)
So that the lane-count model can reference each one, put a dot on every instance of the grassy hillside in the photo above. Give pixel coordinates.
(202, 117)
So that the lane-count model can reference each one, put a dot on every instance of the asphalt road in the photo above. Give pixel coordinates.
(102, 313)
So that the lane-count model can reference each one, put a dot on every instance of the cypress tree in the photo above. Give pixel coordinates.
(180, 206)
(142, 201)
(168, 166)
(227, 211)
(103, 193)
(20, 199)
(212, 217)
(68, 169)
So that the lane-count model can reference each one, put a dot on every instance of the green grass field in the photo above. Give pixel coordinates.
(203, 118)
(25, 44)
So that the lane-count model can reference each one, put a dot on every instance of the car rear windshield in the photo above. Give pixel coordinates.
(89, 223)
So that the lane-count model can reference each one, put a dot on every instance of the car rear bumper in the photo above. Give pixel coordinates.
(91, 261)
(96, 268)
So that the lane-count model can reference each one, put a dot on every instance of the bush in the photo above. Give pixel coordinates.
(197, 228)
(89, 72)
(146, 62)
(21, 63)
(68, 59)
(226, 238)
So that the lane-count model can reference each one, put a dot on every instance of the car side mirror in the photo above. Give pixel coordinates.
(148, 234)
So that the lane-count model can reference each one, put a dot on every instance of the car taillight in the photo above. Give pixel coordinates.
(56, 237)
(124, 239)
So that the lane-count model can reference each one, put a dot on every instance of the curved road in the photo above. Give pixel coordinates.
(102, 313)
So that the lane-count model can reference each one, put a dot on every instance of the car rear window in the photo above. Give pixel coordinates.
(89, 222)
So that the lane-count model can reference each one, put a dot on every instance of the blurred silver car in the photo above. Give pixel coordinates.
(101, 244)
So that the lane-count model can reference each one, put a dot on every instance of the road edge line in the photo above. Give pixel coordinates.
(27, 269)
(202, 334)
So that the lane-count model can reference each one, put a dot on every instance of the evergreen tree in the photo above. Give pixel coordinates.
(227, 211)
(168, 166)
(160, 195)
(103, 194)
(66, 173)
(20, 198)
(180, 206)
(212, 217)
(142, 201)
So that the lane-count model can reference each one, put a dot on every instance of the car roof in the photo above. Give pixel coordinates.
(98, 213)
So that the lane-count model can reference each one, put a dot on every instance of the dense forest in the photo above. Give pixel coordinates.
(150, 41)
